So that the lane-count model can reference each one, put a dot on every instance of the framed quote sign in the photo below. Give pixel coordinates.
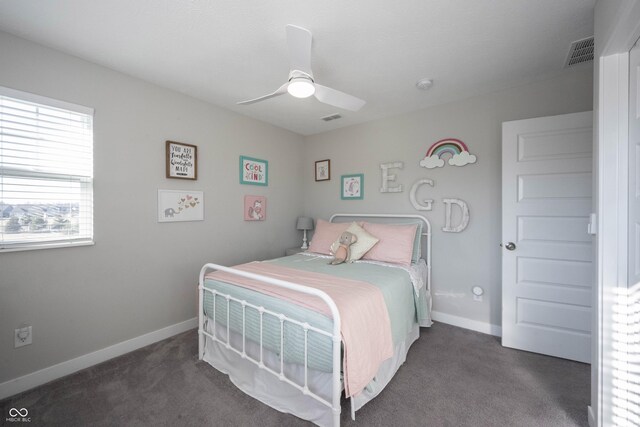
(182, 160)
(254, 171)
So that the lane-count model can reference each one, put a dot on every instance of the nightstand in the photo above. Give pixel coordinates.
(293, 251)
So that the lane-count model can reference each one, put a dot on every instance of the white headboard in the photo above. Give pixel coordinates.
(395, 219)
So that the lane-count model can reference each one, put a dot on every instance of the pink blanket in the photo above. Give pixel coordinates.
(365, 325)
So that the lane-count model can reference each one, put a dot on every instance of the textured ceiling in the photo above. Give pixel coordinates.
(224, 51)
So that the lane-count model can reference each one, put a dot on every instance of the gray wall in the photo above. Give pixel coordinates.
(473, 256)
(140, 276)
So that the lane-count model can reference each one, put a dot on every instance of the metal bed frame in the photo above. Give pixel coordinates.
(334, 404)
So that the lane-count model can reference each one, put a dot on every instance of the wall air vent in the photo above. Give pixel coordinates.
(332, 117)
(581, 51)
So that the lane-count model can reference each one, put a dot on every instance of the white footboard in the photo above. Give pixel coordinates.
(335, 335)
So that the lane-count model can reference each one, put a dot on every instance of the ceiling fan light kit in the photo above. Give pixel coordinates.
(301, 83)
(301, 87)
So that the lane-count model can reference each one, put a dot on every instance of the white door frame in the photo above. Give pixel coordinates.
(611, 142)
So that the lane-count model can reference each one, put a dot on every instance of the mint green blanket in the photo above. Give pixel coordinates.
(405, 309)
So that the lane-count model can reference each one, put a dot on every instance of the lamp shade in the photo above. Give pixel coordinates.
(304, 223)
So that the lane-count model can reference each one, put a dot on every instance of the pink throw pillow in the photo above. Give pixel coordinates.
(395, 245)
(325, 234)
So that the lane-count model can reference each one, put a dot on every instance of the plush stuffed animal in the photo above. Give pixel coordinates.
(344, 250)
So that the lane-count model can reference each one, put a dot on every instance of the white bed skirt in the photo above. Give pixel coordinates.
(267, 388)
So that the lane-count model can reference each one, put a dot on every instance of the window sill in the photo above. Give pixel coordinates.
(52, 245)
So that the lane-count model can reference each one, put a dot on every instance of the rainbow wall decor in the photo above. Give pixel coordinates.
(455, 149)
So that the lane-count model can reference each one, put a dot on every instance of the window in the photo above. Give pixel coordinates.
(46, 172)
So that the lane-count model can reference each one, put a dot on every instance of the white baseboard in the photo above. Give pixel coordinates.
(43, 376)
(462, 322)
(591, 417)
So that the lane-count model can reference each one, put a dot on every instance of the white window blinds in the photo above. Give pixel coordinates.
(46, 172)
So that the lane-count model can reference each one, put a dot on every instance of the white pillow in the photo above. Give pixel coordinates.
(364, 243)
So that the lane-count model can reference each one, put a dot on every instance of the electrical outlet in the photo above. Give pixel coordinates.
(23, 336)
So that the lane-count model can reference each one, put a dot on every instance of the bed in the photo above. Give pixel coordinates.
(274, 329)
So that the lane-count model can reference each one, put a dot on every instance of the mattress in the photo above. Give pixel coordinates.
(406, 303)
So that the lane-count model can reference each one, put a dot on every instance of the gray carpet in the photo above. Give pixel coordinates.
(452, 377)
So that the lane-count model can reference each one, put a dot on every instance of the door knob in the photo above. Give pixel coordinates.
(510, 246)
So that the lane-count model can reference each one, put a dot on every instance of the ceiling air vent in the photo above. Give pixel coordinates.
(580, 51)
(332, 117)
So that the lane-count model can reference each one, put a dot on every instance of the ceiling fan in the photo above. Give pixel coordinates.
(301, 83)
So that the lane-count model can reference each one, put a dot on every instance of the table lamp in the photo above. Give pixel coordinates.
(304, 223)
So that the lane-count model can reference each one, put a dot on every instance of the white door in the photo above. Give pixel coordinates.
(547, 274)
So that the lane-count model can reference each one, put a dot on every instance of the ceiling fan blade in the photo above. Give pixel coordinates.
(338, 99)
(299, 42)
(281, 91)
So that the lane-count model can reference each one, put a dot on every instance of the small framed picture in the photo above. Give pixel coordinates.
(179, 205)
(255, 208)
(323, 170)
(182, 160)
(254, 171)
(352, 187)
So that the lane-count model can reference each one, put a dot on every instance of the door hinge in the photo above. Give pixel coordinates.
(592, 228)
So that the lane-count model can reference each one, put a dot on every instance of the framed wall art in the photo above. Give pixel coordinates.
(255, 208)
(323, 170)
(352, 187)
(254, 171)
(182, 160)
(179, 205)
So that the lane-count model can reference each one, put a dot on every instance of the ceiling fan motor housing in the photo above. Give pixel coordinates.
(294, 74)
